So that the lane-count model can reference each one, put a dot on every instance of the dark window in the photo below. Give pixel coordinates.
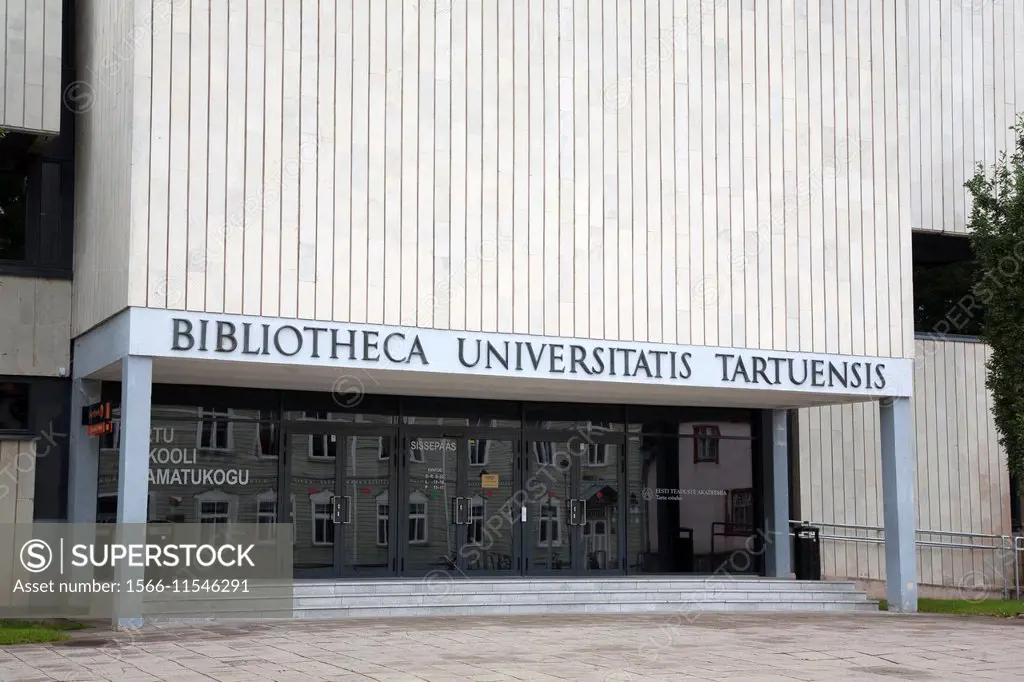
(36, 204)
(13, 406)
(13, 209)
(944, 274)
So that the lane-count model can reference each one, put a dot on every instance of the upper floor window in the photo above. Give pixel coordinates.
(36, 206)
(944, 271)
(13, 210)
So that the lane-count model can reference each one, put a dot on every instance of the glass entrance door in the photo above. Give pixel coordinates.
(339, 484)
(573, 509)
(459, 513)
(490, 526)
(425, 507)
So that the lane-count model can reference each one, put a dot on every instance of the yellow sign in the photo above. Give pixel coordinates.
(488, 480)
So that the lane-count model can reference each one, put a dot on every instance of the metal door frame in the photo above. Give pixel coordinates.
(342, 504)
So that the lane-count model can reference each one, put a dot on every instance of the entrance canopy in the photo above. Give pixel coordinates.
(250, 351)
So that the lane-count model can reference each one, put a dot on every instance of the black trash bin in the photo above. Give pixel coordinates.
(806, 552)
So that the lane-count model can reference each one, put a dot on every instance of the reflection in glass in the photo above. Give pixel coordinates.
(695, 511)
(600, 495)
(489, 532)
(549, 544)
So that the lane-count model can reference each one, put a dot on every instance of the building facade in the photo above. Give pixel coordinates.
(532, 287)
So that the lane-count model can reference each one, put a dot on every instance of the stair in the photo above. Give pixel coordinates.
(340, 599)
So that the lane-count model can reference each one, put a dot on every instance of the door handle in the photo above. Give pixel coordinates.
(348, 508)
(336, 506)
(462, 518)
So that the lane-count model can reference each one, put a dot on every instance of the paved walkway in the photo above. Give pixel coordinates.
(602, 649)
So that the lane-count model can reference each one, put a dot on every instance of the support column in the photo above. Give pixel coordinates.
(898, 482)
(776, 493)
(133, 477)
(84, 456)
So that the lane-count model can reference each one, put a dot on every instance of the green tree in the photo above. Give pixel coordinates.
(996, 228)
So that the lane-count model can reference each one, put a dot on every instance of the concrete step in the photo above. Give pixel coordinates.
(486, 596)
(554, 597)
(483, 609)
(464, 586)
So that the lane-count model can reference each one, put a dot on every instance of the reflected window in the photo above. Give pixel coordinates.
(549, 525)
(266, 515)
(322, 508)
(416, 454)
(475, 530)
(322, 446)
(216, 508)
(417, 519)
(215, 429)
(266, 442)
(597, 455)
(705, 443)
(741, 506)
(478, 452)
(544, 453)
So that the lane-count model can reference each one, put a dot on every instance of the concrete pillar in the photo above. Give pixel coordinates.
(776, 493)
(133, 478)
(84, 456)
(898, 482)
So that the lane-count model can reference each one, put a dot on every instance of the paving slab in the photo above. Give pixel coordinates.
(596, 648)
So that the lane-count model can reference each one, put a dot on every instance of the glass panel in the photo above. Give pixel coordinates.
(488, 539)
(574, 417)
(338, 416)
(695, 507)
(367, 482)
(431, 534)
(548, 491)
(716, 496)
(14, 190)
(600, 492)
(313, 485)
(210, 468)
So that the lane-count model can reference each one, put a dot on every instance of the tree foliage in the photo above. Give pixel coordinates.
(996, 228)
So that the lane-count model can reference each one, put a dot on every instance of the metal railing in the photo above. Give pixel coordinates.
(1007, 551)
